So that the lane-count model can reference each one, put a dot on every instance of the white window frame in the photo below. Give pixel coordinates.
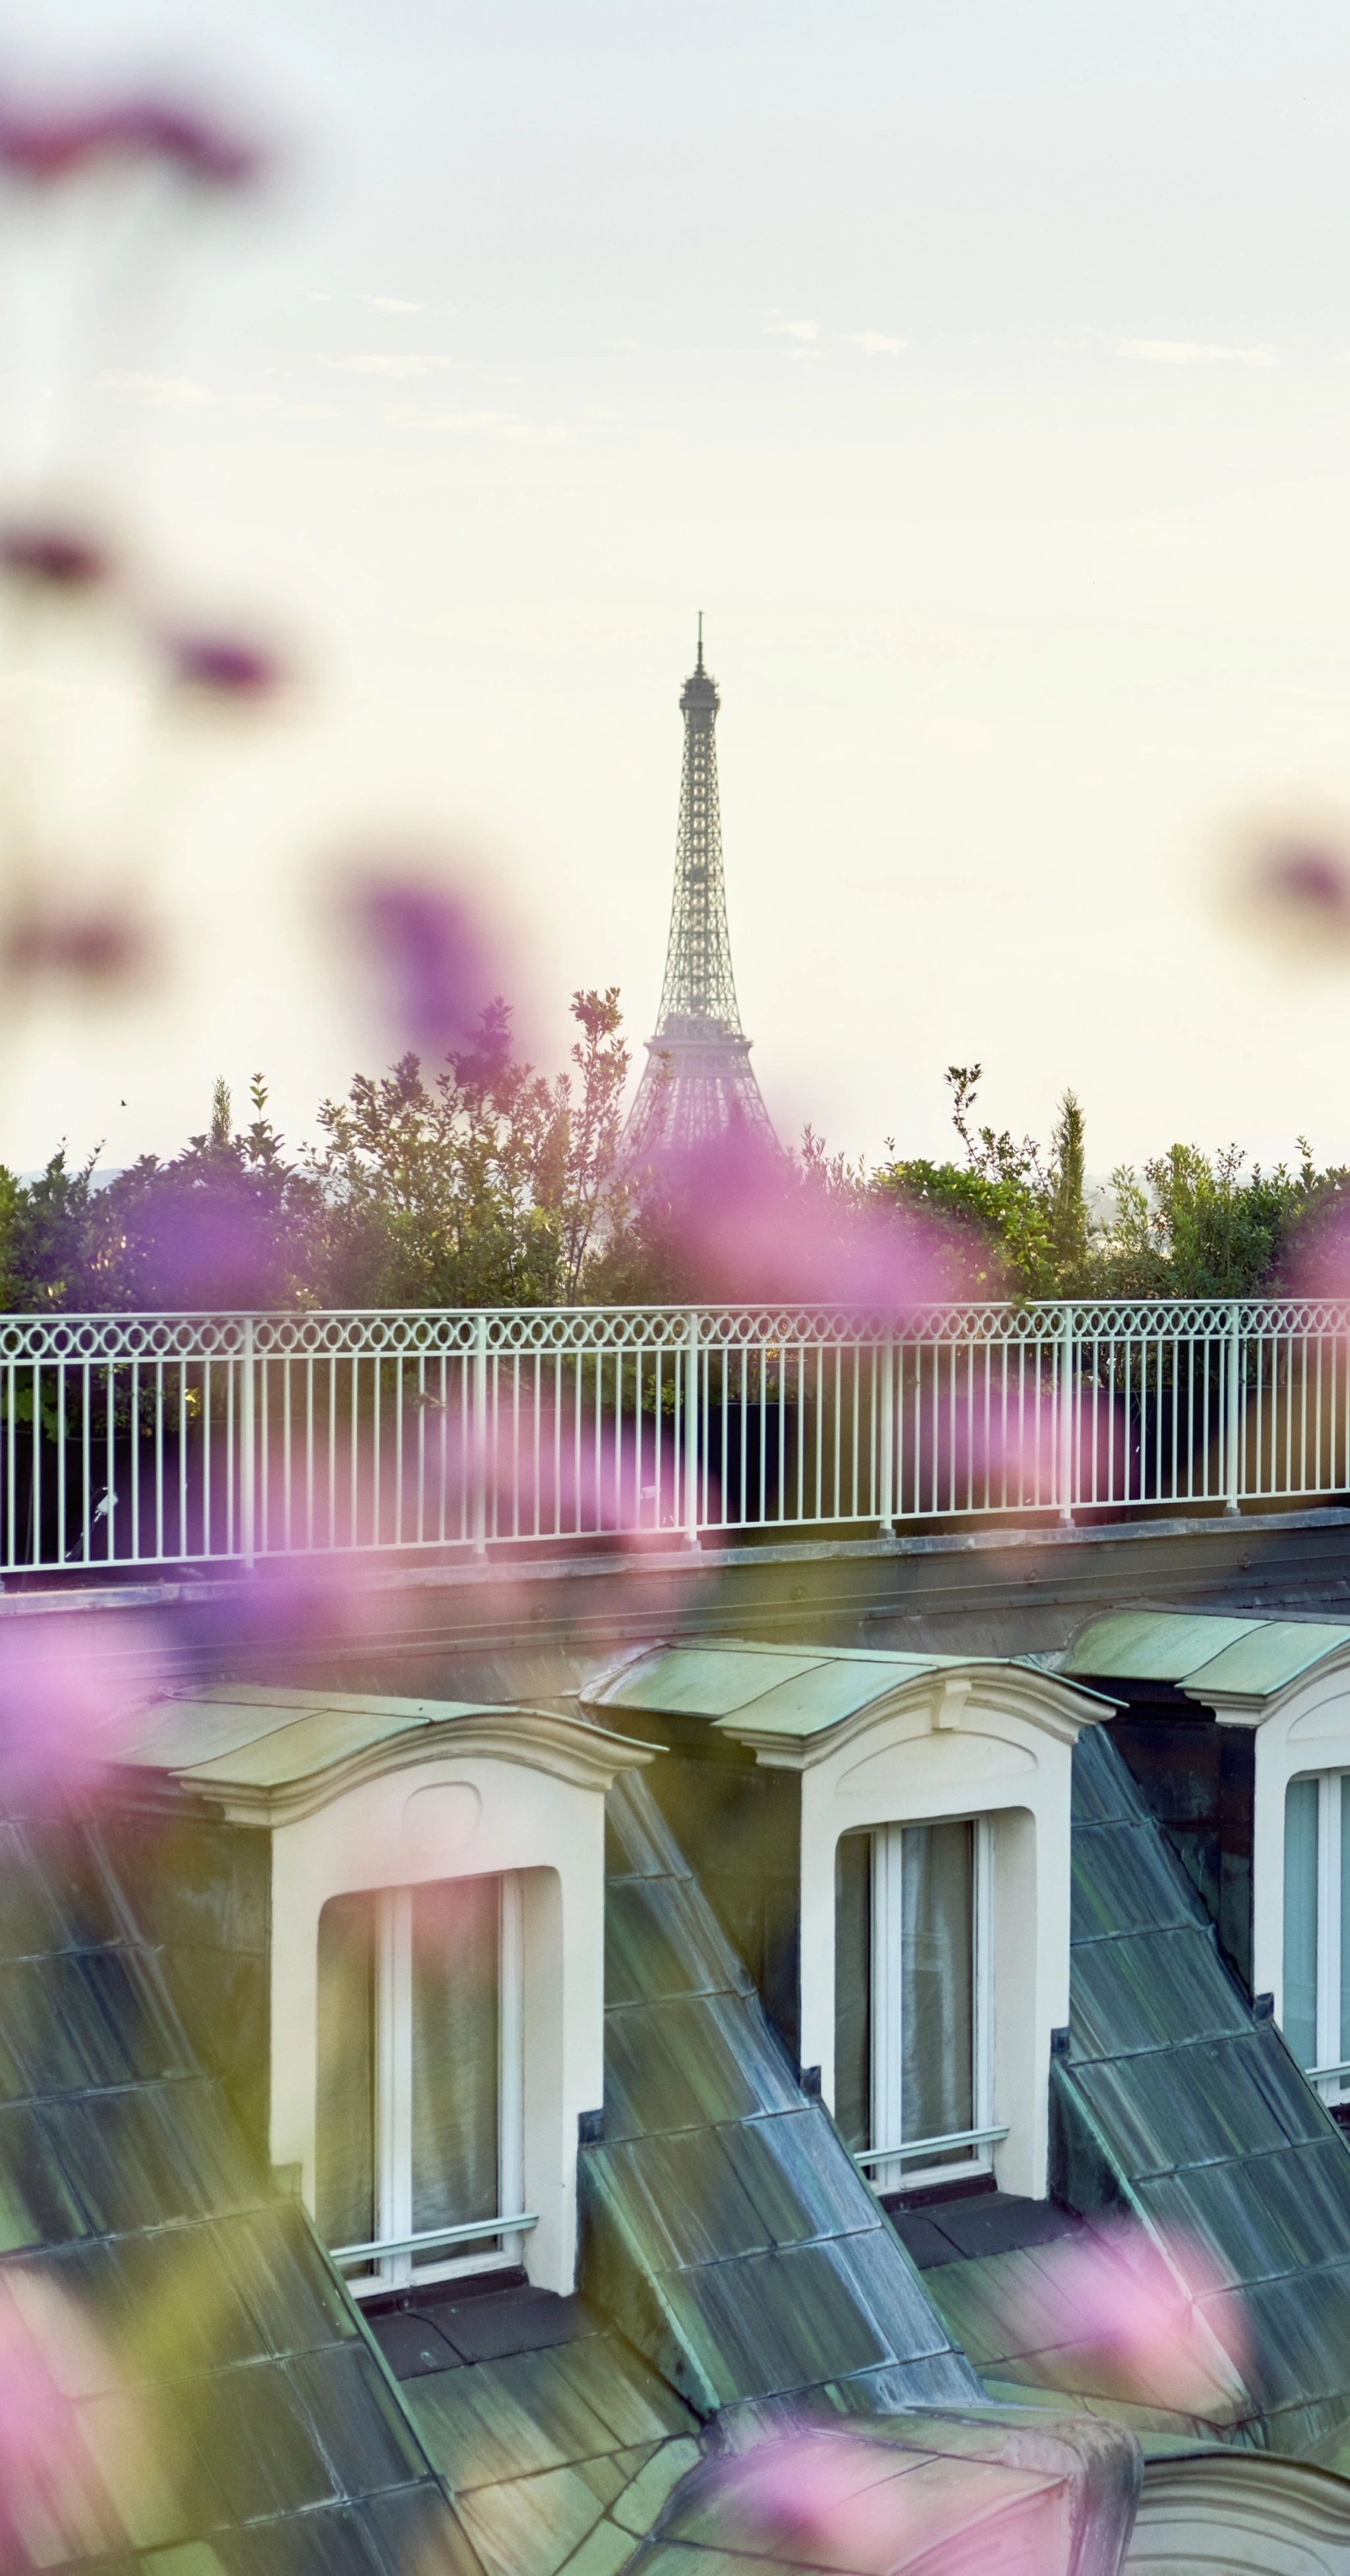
(391, 2262)
(1330, 2073)
(906, 2172)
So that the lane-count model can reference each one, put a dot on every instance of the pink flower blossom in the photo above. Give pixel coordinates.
(163, 129)
(752, 1226)
(1137, 2322)
(224, 667)
(63, 1688)
(1319, 1263)
(834, 2498)
(1308, 880)
(95, 945)
(43, 145)
(431, 949)
(52, 557)
(52, 2484)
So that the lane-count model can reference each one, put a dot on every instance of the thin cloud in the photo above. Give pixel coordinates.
(794, 330)
(1194, 353)
(409, 365)
(878, 344)
(497, 424)
(166, 393)
(391, 304)
(480, 424)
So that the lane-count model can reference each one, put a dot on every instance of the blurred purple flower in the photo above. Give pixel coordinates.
(1319, 1261)
(1288, 884)
(165, 130)
(97, 946)
(44, 145)
(51, 557)
(225, 667)
(61, 1694)
(47, 2351)
(751, 1225)
(1309, 881)
(823, 2497)
(433, 954)
(1137, 2326)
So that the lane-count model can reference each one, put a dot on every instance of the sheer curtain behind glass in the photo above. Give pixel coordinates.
(409, 2092)
(937, 2005)
(922, 2016)
(456, 2081)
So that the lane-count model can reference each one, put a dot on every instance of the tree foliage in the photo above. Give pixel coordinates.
(1189, 1224)
(487, 1182)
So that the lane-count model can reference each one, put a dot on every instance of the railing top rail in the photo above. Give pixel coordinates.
(355, 1332)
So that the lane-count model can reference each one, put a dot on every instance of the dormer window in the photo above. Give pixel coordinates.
(912, 2053)
(1316, 2018)
(419, 2132)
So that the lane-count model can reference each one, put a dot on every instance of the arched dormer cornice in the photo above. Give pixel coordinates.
(320, 1746)
(983, 1697)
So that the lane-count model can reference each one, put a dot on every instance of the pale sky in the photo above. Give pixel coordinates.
(980, 368)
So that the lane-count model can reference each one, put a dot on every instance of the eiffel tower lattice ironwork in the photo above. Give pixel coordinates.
(697, 1083)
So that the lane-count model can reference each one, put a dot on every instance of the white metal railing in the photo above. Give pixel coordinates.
(432, 2240)
(929, 2147)
(150, 1440)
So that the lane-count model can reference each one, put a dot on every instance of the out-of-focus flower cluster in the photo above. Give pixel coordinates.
(44, 143)
(82, 621)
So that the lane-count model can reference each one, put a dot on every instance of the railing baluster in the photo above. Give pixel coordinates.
(1064, 1488)
(248, 1442)
(558, 1425)
(690, 1429)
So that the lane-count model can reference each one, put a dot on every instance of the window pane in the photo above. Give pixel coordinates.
(455, 2071)
(852, 1988)
(1300, 1920)
(938, 1980)
(345, 2104)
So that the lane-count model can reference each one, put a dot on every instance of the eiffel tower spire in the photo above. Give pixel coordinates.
(697, 1084)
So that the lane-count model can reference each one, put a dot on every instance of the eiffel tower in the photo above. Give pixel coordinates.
(697, 1084)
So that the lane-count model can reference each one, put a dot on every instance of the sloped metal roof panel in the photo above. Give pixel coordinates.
(237, 2391)
(184, 1735)
(1153, 1645)
(822, 1698)
(1269, 1658)
(705, 1681)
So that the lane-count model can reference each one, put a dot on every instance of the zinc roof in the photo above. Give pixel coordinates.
(227, 2412)
(266, 1755)
(1176, 2100)
(1250, 1658)
(789, 1694)
(257, 1737)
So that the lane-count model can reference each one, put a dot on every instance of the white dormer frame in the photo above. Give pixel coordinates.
(502, 1792)
(1301, 1731)
(987, 1741)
